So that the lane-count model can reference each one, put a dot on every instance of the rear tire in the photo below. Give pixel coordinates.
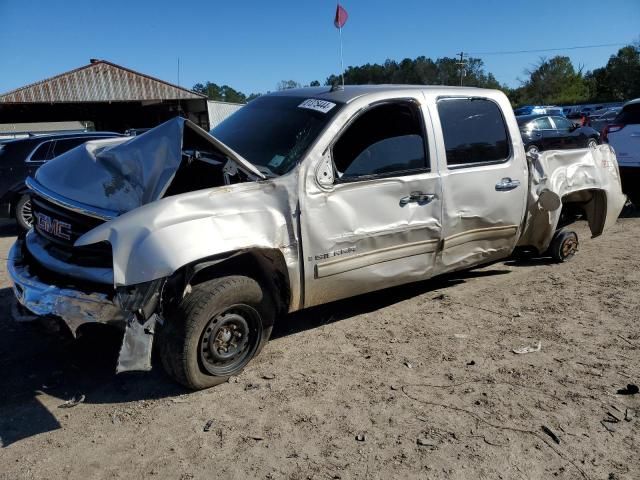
(564, 246)
(24, 213)
(215, 331)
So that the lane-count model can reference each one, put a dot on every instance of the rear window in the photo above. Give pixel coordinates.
(629, 115)
(43, 153)
(474, 131)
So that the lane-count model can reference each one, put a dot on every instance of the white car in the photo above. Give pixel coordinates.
(623, 134)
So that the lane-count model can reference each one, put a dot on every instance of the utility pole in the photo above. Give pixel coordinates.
(462, 64)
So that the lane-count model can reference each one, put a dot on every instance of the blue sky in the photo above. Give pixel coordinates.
(252, 45)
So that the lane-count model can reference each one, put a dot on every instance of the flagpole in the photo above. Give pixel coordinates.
(341, 59)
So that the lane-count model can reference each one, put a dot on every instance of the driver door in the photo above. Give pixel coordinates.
(371, 215)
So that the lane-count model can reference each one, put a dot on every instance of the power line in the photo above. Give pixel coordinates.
(513, 52)
(461, 64)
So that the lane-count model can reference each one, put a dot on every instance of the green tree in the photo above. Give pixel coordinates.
(419, 71)
(620, 79)
(553, 81)
(287, 84)
(223, 93)
(315, 83)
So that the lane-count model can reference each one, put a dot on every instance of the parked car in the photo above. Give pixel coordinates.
(539, 110)
(601, 120)
(199, 242)
(544, 132)
(21, 157)
(623, 134)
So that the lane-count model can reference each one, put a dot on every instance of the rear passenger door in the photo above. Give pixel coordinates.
(484, 182)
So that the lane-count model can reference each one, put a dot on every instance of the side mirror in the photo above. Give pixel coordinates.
(324, 172)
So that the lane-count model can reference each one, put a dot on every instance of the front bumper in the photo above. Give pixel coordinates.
(73, 306)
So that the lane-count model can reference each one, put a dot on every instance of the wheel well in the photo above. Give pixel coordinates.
(591, 203)
(266, 266)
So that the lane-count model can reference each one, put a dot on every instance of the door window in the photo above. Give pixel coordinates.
(562, 123)
(385, 140)
(474, 131)
(67, 144)
(543, 123)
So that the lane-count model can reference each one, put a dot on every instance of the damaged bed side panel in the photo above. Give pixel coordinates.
(589, 177)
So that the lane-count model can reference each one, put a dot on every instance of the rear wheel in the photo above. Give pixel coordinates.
(24, 213)
(216, 331)
(564, 246)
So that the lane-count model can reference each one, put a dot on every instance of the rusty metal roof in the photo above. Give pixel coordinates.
(100, 81)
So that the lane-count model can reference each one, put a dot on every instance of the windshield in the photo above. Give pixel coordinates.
(273, 132)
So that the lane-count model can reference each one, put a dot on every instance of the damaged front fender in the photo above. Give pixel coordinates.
(157, 239)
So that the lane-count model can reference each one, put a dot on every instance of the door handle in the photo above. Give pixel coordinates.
(507, 184)
(417, 197)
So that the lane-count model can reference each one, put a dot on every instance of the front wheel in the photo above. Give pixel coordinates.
(216, 331)
(24, 213)
(592, 143)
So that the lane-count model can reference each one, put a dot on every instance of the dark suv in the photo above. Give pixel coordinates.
(21, 157)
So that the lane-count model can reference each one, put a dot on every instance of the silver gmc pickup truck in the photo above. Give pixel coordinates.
(199, 242)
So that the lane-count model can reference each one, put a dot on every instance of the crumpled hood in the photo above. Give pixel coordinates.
(122, 174)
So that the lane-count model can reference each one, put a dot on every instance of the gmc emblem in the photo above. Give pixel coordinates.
(54, 227)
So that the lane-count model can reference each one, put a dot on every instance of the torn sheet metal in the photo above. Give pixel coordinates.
(121, 174)
(135, 352)
(587, 176)
(157, 239)
(74, 307)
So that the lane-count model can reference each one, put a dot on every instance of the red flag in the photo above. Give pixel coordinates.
(341, 17)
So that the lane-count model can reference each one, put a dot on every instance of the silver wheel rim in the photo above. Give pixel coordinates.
(26, 213)
(592, 144)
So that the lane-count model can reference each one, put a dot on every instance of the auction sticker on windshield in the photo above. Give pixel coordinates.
(318, 105)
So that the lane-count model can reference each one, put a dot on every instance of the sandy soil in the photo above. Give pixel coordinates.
(415, 382)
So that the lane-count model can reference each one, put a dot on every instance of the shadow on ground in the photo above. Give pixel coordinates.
(8, 228)
(42, 357)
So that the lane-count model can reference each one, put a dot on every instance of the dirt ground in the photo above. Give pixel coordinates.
(414, 382)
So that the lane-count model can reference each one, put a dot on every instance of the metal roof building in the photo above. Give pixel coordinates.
(218, 111)
(109, 95)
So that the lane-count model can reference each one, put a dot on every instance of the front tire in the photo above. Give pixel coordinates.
(215, 331)
(24, 213)
(592, 143)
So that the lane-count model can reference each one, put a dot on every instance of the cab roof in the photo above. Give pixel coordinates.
(351, 92)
